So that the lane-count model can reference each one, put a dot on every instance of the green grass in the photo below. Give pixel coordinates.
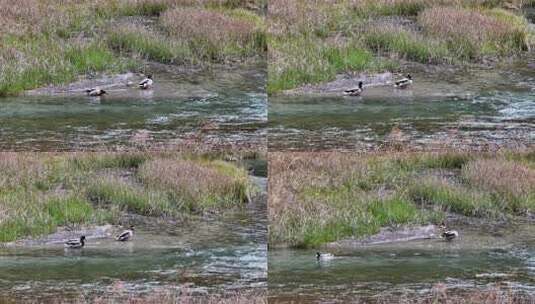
(113, 192)
(146, 45)
(393, 8)
(69, 210)
(407, 46)
(452, 198)
(39, 192)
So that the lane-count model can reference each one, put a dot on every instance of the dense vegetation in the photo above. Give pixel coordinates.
(312, 41)
(322, 197)
(39, 192)
(52, 42)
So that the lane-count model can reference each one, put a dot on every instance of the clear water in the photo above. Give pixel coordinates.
(476, 261)
(469, 109)
(232, 103)
(202, 256)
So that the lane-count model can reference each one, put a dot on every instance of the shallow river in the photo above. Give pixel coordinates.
(218, 106)
(474, 109)
(410, 270)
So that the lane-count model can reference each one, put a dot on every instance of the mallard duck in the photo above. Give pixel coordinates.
(126, 235)
(75, 243)
(324, 256)
(95, 92)
(447, 234)
(146, 83)
(403, 83)
(354, 91)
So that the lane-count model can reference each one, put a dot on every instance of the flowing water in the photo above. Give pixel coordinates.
(475, 262)
(219, 255)
(473, 109)
(219, 106)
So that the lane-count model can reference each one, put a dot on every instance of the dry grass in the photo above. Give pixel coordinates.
(511, 181)
(196, 185)
(440, 294)
(214, 34)
(166, 297)
(476, 32)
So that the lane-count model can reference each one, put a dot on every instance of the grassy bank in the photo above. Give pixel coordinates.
(312, 42)
(316, 198)
(39, 192)
(49, 42)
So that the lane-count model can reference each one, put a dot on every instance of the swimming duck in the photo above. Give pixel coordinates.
(126, 235)
(354, 91)
(324, 256)
(146, 83)
(403, 83)
(447, 234)
(95, 92)
(75, 243)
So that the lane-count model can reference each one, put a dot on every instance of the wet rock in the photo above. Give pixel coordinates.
(388, 235)
(63, 234)
(342, 82)
(79, 87)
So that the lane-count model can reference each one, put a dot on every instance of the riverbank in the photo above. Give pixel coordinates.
(41, 192)
(311, 44)
(317, 198)
(52, 44)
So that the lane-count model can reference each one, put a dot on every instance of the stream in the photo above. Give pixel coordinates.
(474, 110)
(218, 106)
(408, 270)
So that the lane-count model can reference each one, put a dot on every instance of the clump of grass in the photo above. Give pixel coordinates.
(394, 211)
(112, 191)
(69, 210)
(406, 45)
(147, 44)
(470, 33)
(196, 187)
(511, 183)
(94, 161)
(370, 8)
(454, 198)
(214, 35)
